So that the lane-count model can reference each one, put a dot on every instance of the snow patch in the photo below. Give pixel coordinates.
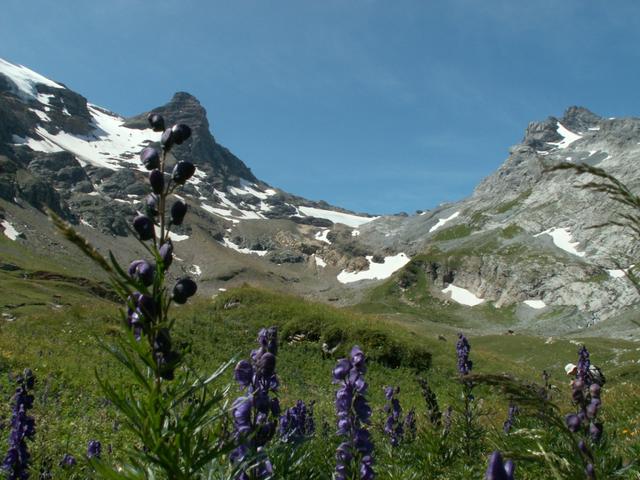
(463, 296)
(594, 129)
(9, 230)
(619, 273)
(322, 236)
(355, 233)
(175, 237)
(537, 304)
(25, 79)
(442, 221)
(568, 137)
(36, 145)
(562, 239)
(376, 271)
(229, 244)
(41, 115)
(195, 270)
(347, 219)
(319, 262)
(86, 224)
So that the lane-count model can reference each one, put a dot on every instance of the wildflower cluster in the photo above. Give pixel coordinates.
(255, 414)
(355, 453)
(511, 416)
(463, 348)
(297, 423)
(16, 462)
(393, 425)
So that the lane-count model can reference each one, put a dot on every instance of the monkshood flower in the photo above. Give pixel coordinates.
(511, 416)
(255, 414)
(142, 271)
(410, 424)
(433, 409)
(156, 121)
(94, 449)
(497, 470)
(463, 348)
(68, 461)
(297, 423)
(16, 461)
(586, 396)
(393, 425)
(150, 158)
(355, 453)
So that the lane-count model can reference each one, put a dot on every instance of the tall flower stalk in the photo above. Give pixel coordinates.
(354, 456)
(470, 431)
(16, 463)
(168, 408)
(393, 426)
(255, 414)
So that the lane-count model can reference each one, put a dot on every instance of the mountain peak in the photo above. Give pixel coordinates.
(577, 118)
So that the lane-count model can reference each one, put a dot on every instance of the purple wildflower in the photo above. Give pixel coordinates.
(410, 424)
(586, 389)
(511, 416)
(393, 426)
(433, 409)
(463, 348)
(255, 414)
(353, 414)
(156, 121)
(16, 462)
(68, 461)
(497, 470)
(94, 449)
(297, 423)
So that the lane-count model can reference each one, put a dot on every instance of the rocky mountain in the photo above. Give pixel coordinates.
(521, 243)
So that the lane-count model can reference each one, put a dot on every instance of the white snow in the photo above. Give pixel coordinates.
(9, 230)
(319, 262)
(175, 237)
(336, 217)
(376, 271)
(41, 115)
(36, 145)
(537, 304)
(85, 223)
(463, 296)
(594, 129)
(195, 270)
(246, 187)
(442, 221)
(25, 79)
(562, 239)
(568, 137)
(222, 289)
(619, 273)
(355, 233)
(229, 244)
(110, 144)
(322, 236)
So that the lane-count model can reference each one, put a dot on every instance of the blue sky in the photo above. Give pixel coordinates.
(377, 106)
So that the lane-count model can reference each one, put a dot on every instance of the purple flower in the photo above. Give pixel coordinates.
(393, 427)
(151, 205)
(156, 180)
(16, 461)
(144, 227)
(511, 416)
(166, 253)
(463, 348)
(433, 409)
(68, 461)
(183, 289)
(497, 470)
(150, 157)
(180, 133)
(353, 412)
(142, 271)
(255, 413)
(156, 121)
(178, 211)
(297, 423)
(94, 449)
(182, 172)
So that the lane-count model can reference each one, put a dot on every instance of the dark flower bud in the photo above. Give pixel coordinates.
(143, 271)
(184, 289)
(341, 370)
(183, 171)
(167, 139)
(180, 132)
(595, 430)
(243, 373)
(156, 179)
(590, 472)
(67, 461)
(592, 408)
(162, 342)
(94, 449)
(147, 307)
(150, 158)
(573, 422)
(151, 205)
(178, 211)
(166, 253)
(144, 227)
(267, 364)
(156, 121)
(497, 470)
(594, 389)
